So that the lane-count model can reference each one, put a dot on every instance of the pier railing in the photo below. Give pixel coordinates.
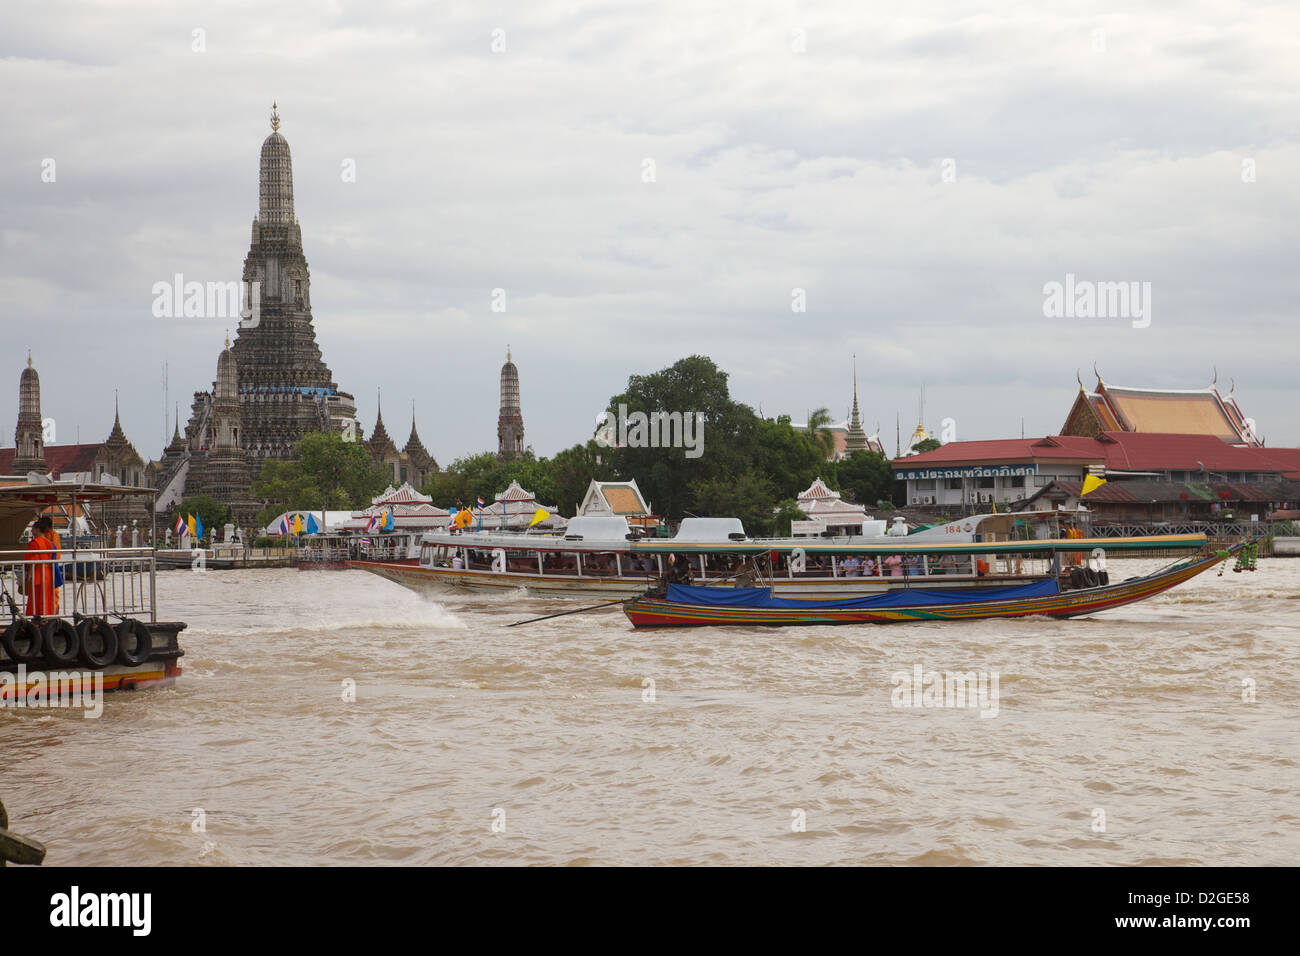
(1212, 529)
(107, 582)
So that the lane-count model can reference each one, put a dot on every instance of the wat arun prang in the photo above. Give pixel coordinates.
(272, 386)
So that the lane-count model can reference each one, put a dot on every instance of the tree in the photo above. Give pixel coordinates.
(786, 511)
(928, 444)
(866, 476)
(792, 459)
(820, 433)
(749, 497)
(207, 509)
(328, 473)
(695, 387)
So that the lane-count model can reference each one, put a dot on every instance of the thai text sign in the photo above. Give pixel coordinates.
(970, 471)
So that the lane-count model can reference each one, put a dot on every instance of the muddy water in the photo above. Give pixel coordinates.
(1119, 739)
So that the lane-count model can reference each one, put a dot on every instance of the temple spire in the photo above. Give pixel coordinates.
(856, 439)
(275, 118)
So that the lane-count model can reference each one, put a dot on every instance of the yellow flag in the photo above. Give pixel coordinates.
(540, 515)
(297, 524)
(1091, 483)
(189, 522)
(464, 518)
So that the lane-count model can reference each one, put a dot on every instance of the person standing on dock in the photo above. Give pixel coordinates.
(39, 577)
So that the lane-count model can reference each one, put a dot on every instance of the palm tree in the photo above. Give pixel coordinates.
(819, 433)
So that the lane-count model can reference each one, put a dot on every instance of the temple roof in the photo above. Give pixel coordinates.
(1200, 411)
(414, 447)
(515, 493)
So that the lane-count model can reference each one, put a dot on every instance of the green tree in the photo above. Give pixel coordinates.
(820, 433)
(692, 386)
(786, 511)
(749, 497)
(328, 473)
(792, 459)
(928, 444)
(209, 510)
(866, 477)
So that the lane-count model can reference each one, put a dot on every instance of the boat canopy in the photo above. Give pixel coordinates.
(597, 528)
(899, 597)
(910, 545)
(709, 529)
(22, 502)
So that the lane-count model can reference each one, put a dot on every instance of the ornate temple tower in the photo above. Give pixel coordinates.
(856, 439)
(419, 464)
(29, 436)
(285, 387)
(220, 466)
(510, 423)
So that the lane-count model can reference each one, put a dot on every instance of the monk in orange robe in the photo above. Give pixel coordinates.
(39, 578)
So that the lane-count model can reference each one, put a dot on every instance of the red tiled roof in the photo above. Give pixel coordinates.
(1118, 451)
(60, 459)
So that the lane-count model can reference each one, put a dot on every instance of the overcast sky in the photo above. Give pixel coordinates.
(794, 146)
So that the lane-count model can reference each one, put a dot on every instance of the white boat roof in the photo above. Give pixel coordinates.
(696, 530)
(598, 528)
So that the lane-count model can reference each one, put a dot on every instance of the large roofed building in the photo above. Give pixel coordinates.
(1202, 411)
(1121, 434)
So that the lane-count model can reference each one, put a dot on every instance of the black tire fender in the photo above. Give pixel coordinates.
(60, 641)
(98, 643)
(134, 642)
(22, 641)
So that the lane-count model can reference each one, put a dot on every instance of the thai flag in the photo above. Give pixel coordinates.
(374, 520)
(284, 524)
(481, 502)
(180, 523)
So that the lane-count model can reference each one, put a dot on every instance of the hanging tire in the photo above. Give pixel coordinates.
(22, 641)
(134, 643)
(60, 642)
(98, 643)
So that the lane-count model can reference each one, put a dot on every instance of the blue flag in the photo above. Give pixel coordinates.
(312, 526)
(198, 527)
(388, 522)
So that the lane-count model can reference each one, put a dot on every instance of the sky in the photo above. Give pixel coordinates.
(651, 181)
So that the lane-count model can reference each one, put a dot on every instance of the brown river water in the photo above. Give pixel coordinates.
(1119, 739)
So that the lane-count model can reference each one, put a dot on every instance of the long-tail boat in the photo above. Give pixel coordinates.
(1060, 595)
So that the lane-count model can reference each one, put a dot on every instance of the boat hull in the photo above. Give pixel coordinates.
(420, 578)
(647, 612)
(17, 681)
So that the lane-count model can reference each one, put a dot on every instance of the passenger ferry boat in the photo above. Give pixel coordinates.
(1058, 596)
(329, 552)
(604, 557)
(103, 628)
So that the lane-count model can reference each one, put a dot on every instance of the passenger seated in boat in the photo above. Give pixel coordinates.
(458, 563)
(746, 574)
(851, 567)
(869, 568)
(680, 571)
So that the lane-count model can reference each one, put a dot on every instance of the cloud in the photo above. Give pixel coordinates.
(774, 170)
